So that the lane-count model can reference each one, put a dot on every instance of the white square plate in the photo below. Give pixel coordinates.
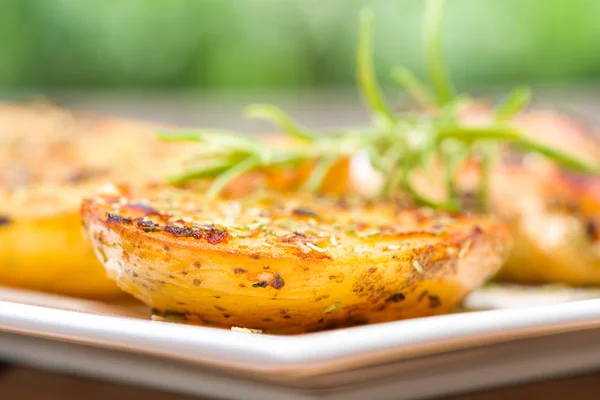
(531, 334)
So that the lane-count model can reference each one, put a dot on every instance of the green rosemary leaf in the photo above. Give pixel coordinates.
(487, 158)
(516, 101)
(367, 80)
(564, 159)
(198, 135)
(224, 141)
(431, 37)
(470, 134)
(210, 170)
(227, 176)
(421, 199)
(454, 153)
(414, 87)
(281, 118)
(332, 307)
(508, 134)
(319, 173)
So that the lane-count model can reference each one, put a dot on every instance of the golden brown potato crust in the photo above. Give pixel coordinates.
(290, 263)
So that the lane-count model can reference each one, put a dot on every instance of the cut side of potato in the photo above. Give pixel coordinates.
(289, 263)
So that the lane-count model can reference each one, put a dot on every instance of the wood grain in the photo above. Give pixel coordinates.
(16, 384)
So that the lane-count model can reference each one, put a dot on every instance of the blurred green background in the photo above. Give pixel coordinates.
(278, 44)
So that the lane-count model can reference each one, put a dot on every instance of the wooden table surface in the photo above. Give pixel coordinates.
(18, 383)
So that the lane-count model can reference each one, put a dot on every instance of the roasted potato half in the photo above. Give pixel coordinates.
(556, 225)
(555, 215)
(290, 263)
(50, 159)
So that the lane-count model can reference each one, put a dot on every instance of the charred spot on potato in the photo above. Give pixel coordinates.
(226, 315)
(215, 236)
(239, 271)
(304, 212)
(591, 229)
(434, 301)
(287, 316)
(196, 282)
(148, 226)
(260, 284)
(255, 257)
(277, 282)
(183, 231)
(197, 265)
(372, 270)
(219, 308)
(184, 272)
(5, 220)
(283, 311)
(422, 296)
(242, 285)
(396, 298)
(266, 267)
(117, 219)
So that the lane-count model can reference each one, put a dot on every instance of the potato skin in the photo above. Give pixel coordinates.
(270, 279)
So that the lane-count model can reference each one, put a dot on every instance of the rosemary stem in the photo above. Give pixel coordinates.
(226, 177)
(319, 173)
(431, 37)
(414, 87)
(207, 171)
(517, 100)
(281, 118)
(487, 159)
(468, 134)
(367, 81)
(449, 205)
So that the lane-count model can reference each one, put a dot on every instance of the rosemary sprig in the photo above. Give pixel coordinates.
(279, 117)
(431, 37)
(367, 80)
(399, 146)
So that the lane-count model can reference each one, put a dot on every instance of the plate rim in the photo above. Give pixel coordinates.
(309, 353)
